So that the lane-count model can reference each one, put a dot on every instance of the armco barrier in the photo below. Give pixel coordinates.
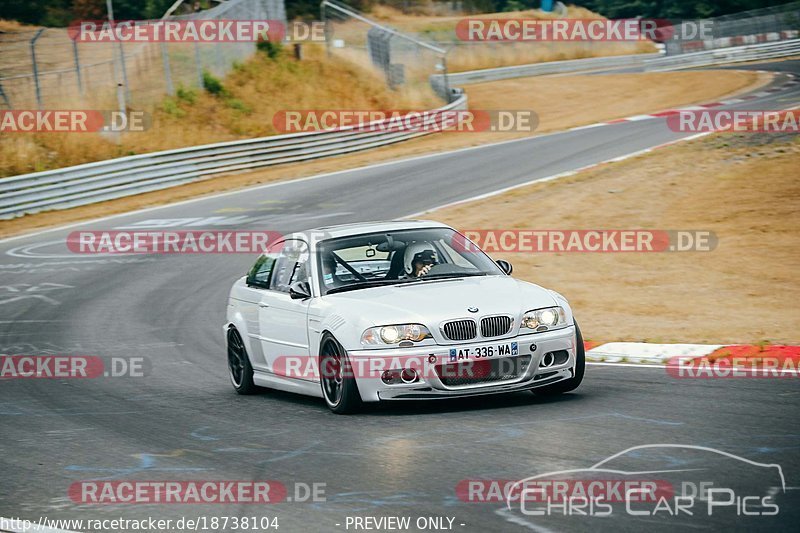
(125, 176)
(648, 62)
(738, 54)
(116, 178)
(550, 67)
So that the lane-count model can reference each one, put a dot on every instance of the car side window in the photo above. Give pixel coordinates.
(290, 266)
(259, 274)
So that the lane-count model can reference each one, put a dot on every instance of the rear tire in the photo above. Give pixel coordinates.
(338, 383)
(239, 368)
(573, 382)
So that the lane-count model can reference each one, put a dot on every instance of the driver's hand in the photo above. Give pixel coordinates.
(424, 270)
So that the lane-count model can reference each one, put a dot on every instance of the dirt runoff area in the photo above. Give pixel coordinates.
(741, 189)
(560, 102)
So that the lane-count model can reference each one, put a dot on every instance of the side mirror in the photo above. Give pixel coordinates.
(299, 290)
(505, 266)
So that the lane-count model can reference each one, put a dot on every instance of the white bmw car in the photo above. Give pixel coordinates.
(403, 310)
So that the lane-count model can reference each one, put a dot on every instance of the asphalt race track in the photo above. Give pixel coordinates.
(183, 421)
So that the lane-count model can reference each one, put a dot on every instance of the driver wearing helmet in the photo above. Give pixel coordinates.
(419, 258)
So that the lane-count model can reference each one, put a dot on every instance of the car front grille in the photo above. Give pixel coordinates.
(460, 330)
(496, 326)
(483, 371)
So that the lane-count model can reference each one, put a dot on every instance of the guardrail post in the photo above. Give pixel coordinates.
(36, 68)
(446, 80)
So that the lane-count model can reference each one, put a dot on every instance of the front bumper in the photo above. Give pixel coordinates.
(431, 385)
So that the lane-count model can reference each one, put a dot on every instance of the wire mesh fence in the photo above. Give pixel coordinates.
(775, 23)
(407, 61)
(47, 68)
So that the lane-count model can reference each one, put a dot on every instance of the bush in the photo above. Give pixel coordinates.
(170, 107)
(273, 50)
(187, 95)
(238, 105)
(212, 84)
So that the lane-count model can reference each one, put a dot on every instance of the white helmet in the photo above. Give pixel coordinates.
(418, 251)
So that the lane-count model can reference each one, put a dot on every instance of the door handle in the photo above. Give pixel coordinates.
(262, 304)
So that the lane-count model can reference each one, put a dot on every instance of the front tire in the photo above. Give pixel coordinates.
(239, 368)
(338, 383)
(573, 382)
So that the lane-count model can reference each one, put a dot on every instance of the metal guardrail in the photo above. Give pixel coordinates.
(736, 54)
(649, 62)
(550, 67)
(125, 176)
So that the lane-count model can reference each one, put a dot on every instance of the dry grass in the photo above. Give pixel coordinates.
(436, 25)
(14, 26)
(473, 56)
(565, 102)
(256, 91)
(490, 55)
(744, 188)
(557, 113)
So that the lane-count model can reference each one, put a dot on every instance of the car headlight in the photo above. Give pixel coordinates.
(395, 334)
(544, 319)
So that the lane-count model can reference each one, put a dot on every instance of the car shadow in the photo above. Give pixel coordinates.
(462, 405)
(427, 407)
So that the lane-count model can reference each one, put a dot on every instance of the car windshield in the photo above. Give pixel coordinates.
(404, 256)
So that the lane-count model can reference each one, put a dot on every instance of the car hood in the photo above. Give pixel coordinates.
(431, 302)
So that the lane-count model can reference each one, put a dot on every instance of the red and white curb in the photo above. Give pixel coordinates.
(668, 112)
(646, 353)
(568, 173)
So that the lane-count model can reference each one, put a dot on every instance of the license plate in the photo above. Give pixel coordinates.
(505, 349)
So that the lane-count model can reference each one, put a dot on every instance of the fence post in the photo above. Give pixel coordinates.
(124, 72)
(198, 65)
(325, 28)
(120, 89)
(77, 65)
(167, 72)
(36, 68)
(5, 97)
(446, 79)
